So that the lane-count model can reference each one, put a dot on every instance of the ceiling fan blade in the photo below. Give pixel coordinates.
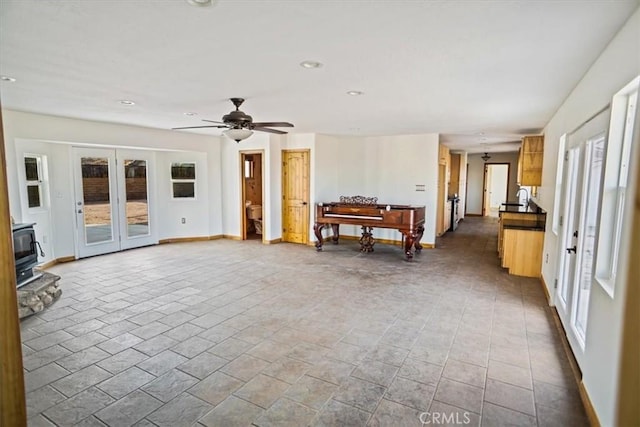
(273, 124)
(213, 121)
(199, 127)
(269, 130)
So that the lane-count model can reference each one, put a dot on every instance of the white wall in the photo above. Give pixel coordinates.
(476, 176)
(54, 137)
(616, 66)
(170, 212)
(386, 167)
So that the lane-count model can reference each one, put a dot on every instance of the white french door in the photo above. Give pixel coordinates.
(113, 200)
(581, 195)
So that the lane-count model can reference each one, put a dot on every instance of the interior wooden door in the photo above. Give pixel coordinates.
(295, 196)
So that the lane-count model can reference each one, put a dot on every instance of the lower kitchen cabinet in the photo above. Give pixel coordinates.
(522, 251)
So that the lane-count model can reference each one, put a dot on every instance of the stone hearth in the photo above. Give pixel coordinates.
(38, 294)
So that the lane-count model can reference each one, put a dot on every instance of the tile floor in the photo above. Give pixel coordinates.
(226, 333)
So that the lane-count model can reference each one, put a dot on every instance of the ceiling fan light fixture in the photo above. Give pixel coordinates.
(311, 64)
(238, 134)
(485, 157)
(201, 3)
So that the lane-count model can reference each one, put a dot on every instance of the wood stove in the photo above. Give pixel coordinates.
(25, 250)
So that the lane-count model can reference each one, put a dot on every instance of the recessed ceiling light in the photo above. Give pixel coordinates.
(127, 102)
(310, 64)
(201, 3)
(190, 113)
(7, 79)
(354, 93)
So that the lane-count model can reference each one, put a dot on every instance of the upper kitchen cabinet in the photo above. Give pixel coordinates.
(530, 161)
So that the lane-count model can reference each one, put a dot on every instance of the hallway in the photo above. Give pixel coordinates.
(238, 333)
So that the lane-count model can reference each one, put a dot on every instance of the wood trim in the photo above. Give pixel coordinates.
(216, 237)
(13, 410)
(588, 406)
(61, 260)
(472, 214)
(575, 370)
(628, 411)
(230, 237)
(183, 239)
(545, 289)
(271, 242)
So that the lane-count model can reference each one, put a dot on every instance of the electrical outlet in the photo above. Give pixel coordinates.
(546, 258)
(183, 220)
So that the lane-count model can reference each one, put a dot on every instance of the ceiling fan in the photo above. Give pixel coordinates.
(240, 125)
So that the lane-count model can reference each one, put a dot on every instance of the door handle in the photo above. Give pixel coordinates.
(79, 210)
(304, 203)
(573, 249)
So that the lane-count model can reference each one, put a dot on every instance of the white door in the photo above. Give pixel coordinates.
(581, 201)
(135, 198)
(112, 200)
(496, 180)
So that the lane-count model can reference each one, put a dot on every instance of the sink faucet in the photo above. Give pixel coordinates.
(526, 192)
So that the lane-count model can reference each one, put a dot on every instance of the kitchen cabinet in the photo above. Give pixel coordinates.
(444, 155)
(521, 238)
(454, 181)
(523, 251)
(530, 161)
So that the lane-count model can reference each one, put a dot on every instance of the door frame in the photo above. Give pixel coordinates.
(83, 249)
(117, 196)
(283, 185)
(484, 183)
(243, 209)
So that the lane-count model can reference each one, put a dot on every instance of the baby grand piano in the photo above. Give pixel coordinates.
(365, 212)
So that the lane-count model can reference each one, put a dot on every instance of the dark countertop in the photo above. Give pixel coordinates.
(531, 208)
(522, 224)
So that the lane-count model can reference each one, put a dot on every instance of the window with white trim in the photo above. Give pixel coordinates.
(183, 180)
(34, 180)
(615, 185)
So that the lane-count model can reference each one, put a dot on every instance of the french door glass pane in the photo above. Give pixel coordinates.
(593, 172)
(98, 223)
(137, 207)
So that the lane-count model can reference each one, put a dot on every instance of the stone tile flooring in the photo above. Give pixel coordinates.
(225, 333)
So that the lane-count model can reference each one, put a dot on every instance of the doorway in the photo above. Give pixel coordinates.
(496, 188)
(295, 196)
(113, 202)
(581, 195)
(252, 194)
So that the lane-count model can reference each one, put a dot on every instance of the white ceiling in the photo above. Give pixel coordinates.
(482, 73)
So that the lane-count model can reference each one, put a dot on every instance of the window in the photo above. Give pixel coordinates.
(614, 187)
(183, 180)
(33, 174)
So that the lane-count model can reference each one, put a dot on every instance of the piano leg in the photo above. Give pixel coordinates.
(419, 234)
(367, 241)
(336, 233)
(409, 240)
(317, 230)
